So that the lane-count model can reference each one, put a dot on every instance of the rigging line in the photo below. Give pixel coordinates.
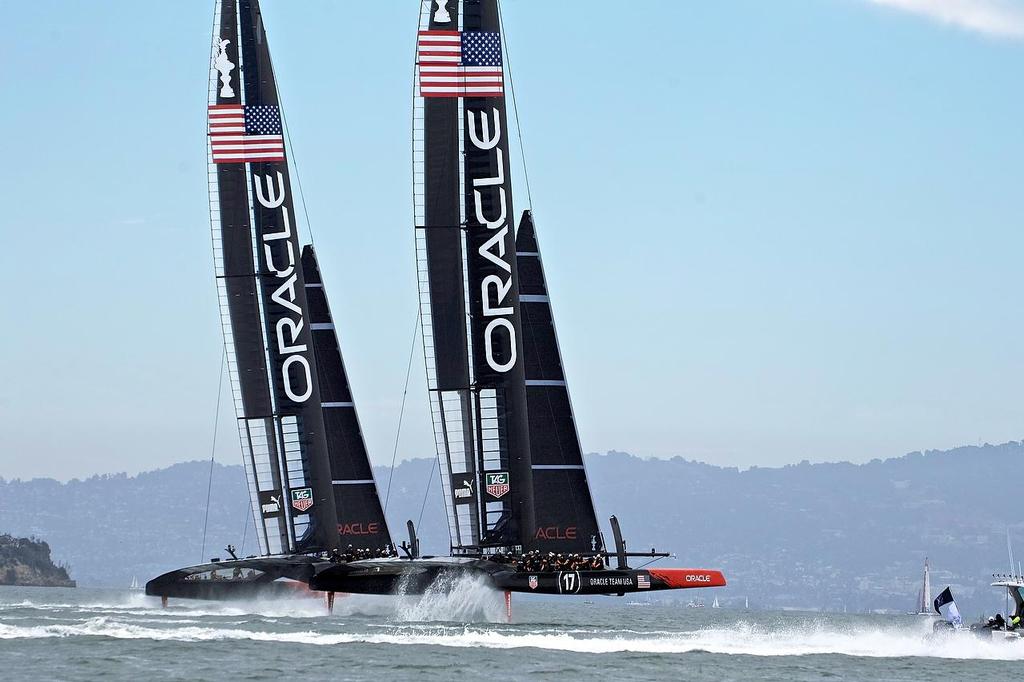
(213, 450)
(401, 412)
(648, 563)
(245, 529)
(295, 168)
(426, 492)
(515, 105)
(291, 147)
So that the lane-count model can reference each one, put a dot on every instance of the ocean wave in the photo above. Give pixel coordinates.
(150, 606)
(739, 639)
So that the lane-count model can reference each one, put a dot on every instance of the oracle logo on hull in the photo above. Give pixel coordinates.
(697, 578)
(358, 528)
(555, 533)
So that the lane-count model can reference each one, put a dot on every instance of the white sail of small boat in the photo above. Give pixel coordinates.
(135, 584)
(924, 595)
(714, 604)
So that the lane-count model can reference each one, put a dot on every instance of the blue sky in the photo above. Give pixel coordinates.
(773, 231)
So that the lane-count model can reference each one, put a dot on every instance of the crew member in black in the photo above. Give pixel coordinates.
(996, 623)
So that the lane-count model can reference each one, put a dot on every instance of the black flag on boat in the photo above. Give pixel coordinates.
(952, 613)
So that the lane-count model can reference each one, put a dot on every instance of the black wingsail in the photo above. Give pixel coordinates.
(361, 522)
(264, 312)
(565, 516)
(468, 278)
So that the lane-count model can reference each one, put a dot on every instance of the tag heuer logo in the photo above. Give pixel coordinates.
(533, 582)
(497, 484)
(302, 498)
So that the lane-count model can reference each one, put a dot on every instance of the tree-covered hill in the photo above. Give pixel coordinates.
(823, 536)
(26, 561)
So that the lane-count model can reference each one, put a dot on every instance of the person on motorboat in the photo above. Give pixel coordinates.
(1014, 623)
(995, 623)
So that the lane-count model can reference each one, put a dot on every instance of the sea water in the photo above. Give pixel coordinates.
(57, 634)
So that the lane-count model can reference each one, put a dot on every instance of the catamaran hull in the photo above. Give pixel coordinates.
(398, 576)
(265, 577)
(278, 576)
(611, 581)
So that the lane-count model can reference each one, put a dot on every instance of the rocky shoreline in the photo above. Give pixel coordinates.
(26, 562)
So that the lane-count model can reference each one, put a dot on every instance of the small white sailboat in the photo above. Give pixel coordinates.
(714, 604)
(924, 596)
(135, 587)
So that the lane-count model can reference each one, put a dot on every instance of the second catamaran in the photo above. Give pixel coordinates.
(515, 487)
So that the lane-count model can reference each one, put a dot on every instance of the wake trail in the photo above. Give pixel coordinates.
(740, 639)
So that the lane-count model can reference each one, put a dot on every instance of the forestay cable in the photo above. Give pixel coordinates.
(245, 529)
(401, 412)
(426, 492)
(515, 105)
(213, 451)
(291, 149)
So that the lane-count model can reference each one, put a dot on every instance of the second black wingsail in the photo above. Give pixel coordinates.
(468, 279)
(514, 477)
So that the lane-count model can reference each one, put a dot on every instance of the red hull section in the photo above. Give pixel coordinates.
(683, 578)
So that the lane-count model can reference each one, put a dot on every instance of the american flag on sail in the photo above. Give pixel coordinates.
(240, 133)
(643, 582)
(460, 64)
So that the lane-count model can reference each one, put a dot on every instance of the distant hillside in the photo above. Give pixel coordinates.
(806, 535)
(26, 561)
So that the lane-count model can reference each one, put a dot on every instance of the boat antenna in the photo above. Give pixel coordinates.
(213, 451)
(1009, 550)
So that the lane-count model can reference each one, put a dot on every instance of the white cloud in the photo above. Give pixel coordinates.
(1001, 18)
